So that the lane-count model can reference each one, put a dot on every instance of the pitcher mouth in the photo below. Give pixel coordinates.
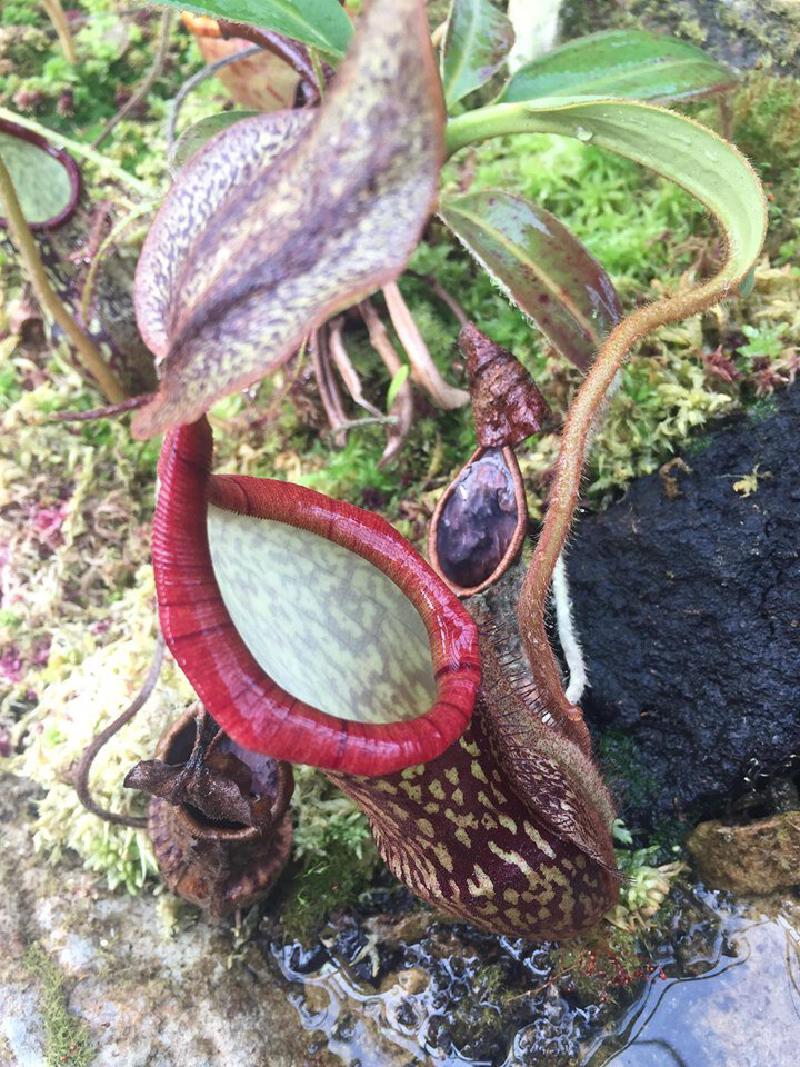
(310, 629)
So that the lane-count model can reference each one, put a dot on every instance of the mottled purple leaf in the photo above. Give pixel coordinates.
(284, 219)
(540, 266)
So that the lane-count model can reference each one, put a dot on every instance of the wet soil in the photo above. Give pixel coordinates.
(687, 598)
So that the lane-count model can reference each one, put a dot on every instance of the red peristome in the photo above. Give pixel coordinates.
(242, 698)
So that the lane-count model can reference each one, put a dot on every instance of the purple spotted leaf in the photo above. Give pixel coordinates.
(284, 219)
(540, 266)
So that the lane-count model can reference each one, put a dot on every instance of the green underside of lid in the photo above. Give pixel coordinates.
(41, 182)
(324, 623)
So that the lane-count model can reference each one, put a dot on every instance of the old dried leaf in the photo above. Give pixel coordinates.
(507, 405)
(284, 219)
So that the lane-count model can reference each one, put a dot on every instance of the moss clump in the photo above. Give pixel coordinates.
(75, 501)
(326, 818)
(328, 881)
(113, 55)
(336, 853)
(68, 1040)
(601, 968)
(88, 687)
(622, 768)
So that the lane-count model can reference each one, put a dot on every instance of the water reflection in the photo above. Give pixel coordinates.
(723, 990)
(745, 1011)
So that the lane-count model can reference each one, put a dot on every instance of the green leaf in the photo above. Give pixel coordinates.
(477, 40)
(540, 266)
(321, 23)
(748, 283)
(193, 139)
(396, 384)
(676, 147)
(632, 64)
(286, 218)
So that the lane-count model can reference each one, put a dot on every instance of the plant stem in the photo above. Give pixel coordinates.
(20, 232)
(740, 253)
(403, 405)
(56, 15)
(485, 122)
(423, 369)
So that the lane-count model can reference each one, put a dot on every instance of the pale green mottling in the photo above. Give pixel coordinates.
(42, 183)
(325, 623)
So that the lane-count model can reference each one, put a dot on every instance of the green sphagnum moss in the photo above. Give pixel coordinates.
(68, 1041)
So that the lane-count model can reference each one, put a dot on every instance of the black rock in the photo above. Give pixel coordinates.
(689, 613)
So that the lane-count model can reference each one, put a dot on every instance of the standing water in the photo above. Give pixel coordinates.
(715, 982)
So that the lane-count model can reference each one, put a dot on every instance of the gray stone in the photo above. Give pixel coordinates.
(148, 998)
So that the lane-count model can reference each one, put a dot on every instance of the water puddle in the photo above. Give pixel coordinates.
(717, 983)
(744, 1009)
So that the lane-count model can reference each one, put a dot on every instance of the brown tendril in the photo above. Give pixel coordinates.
(564, 495)
(84, 768)
(108, 412)
(294, 54)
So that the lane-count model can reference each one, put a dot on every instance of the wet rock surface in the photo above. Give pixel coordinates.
(388, 983)
(138, 995)
(688, 605)
(743, 1008)
(447, 995)
(761, 857)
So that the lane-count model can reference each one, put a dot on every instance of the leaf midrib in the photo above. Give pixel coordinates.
(510, 246)
(610, 79)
